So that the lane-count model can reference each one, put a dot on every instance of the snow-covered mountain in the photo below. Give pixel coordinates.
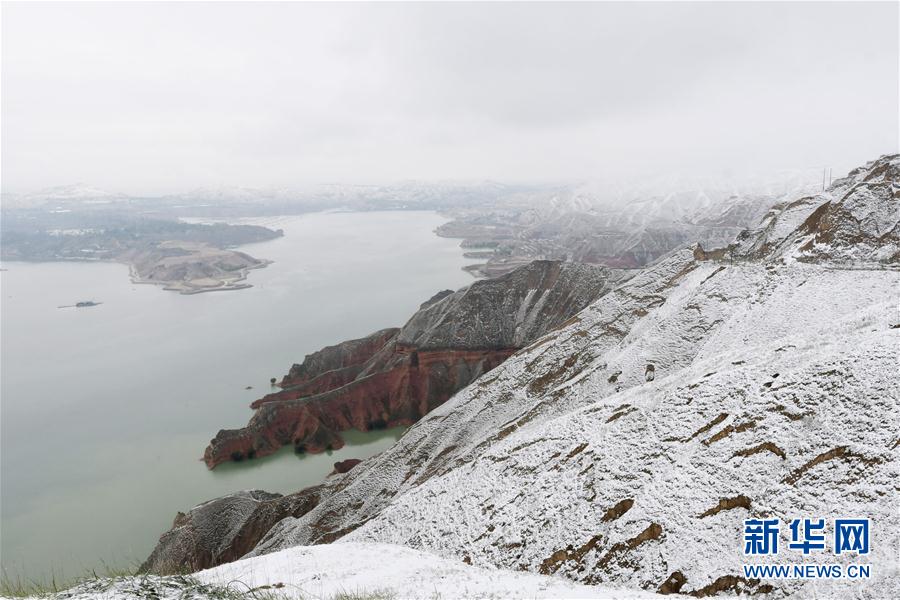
(76, 192)
(856, 222)
(62, 195)
(629, 446)
(614, 225)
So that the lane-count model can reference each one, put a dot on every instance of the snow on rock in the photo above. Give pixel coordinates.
(657, 480)
(509, 311)
(220, 530)
(857, 220)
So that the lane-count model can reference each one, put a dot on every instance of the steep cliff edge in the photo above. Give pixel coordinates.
(396, 376)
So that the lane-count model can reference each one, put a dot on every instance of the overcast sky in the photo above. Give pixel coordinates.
(155, 98)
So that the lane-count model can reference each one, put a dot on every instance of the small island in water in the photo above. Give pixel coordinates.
(81, 304)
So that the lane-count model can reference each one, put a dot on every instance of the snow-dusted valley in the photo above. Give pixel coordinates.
(619, 455)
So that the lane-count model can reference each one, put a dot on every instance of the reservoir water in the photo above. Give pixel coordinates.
(106, 410)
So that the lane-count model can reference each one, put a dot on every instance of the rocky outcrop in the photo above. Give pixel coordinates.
(342, 466)
(403, 390)
(338, 358)
(396, 376)
(224, 529)
(862, 221)
(856, 221)
(509, 312)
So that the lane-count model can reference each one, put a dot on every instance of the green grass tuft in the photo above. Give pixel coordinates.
(16, 585)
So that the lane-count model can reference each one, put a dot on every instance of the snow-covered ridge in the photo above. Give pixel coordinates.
(857, 220)
(628, 447)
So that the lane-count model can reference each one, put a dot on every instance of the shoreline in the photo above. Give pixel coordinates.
(234, 281)
(185, 288)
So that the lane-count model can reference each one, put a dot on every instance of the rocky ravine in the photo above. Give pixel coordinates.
(395, 376)
(629, 445)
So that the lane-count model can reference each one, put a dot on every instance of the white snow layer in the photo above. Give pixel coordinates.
(329, 570)
(346, 571)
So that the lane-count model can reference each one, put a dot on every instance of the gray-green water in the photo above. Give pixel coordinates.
(106, 410)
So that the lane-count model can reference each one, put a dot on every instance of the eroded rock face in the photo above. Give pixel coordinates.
(410, 384)
(337, 360)
(224, 529)
(396, 376)
(342, 466)
(856, 221)
(507, 312)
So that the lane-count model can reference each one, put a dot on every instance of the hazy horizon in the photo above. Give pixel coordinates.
(150, 99)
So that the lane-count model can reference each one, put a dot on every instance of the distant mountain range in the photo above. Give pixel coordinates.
(558, 198)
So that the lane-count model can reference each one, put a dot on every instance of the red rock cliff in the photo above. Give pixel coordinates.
(395, 376)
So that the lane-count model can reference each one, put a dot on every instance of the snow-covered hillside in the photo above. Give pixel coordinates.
(345, 572)
(857, 221)
(328, 570)
(628, 447)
